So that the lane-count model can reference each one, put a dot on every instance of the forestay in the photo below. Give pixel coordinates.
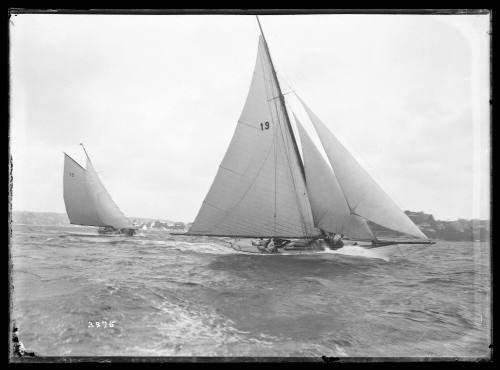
(364, 196)
(259, 190)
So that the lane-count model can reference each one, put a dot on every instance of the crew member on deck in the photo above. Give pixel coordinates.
(329, 237)
(280, 243)
(271, 246)
(336, 241)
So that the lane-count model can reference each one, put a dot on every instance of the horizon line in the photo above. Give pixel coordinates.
(161, 218)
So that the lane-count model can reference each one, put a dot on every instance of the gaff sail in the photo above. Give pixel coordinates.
(87, 200)
(77, 199)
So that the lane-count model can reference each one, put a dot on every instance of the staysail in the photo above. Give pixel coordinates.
(364, 196)
(259, 189)
(105, 208)
(87, 201)
(329, 207)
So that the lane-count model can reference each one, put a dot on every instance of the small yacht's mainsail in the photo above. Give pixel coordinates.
(77, 199)
(87, 201)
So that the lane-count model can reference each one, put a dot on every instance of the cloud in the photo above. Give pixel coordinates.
(156, 99)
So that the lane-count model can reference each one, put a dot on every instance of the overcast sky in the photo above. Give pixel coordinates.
(155, 100)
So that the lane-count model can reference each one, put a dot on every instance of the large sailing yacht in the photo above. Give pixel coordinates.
(265, 188)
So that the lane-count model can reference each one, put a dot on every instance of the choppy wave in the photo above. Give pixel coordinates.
(178, 296)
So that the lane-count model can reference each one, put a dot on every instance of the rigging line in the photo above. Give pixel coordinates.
(276, 104)
(268, 86)
(230, 170)
(287, 82)
(288, 159)
(269, 91)
(278, 97)
(351, 209)
(309, 209)
(275, 177)
(287, 121)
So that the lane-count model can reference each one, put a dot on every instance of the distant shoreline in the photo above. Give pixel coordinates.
(458, 230)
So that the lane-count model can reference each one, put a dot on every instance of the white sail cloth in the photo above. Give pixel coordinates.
(364, 196)
(258, 190)
(105, 207)
(77, 199)
(87, 201)
(329, 207)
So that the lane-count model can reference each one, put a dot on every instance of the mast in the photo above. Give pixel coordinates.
(85, 151)
(259, 190)
(282, 100)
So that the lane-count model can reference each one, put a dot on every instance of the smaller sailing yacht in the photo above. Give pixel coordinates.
(87, 201)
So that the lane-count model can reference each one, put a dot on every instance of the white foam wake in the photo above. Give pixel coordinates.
(207, 248)
(355, 250)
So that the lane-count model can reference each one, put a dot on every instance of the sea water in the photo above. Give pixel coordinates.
(77, 293)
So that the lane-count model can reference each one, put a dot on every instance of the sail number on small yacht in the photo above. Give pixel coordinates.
(264, 126)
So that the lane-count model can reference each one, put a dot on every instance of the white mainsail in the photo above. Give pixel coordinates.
(364, 196)
(87, 201)
(259, 189)
(329, 207)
